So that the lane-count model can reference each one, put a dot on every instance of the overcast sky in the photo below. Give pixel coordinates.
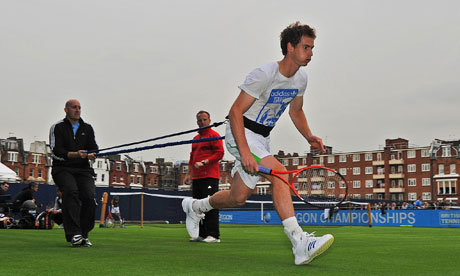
(141, 69)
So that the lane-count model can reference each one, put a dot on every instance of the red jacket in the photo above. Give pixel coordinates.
(212, 150)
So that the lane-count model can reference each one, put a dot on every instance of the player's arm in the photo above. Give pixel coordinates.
(300, 121)
(241, 104)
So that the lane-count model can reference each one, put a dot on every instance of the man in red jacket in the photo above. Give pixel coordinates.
(205, 174)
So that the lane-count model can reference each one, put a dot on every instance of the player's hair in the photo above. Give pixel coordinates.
(69, 103)
(293, 33)
(202, 111)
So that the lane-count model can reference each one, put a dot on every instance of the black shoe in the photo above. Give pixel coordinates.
(77, 240)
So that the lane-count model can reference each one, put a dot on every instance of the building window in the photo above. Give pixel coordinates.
(118, 166)
(452, 169)
(425, 167)
(356, 196)
(441, 169)
(411, 168)
(379, 156)
(36, 158)
(305, 161)
(40, 173)
(356, 184)
(342, 185)
(136, 167)
(12, 145)
(356, 157)
(331, 159)
(412, 196)
(102, 177)
(369, 196)
(356, 171)
(132, 179)
(412, 182)
(426, 181)
(411, 154)
(139, 179)
(114, 180)
(368, 157)
(285, 162)
(343, 171)
(342, 158)
(369, 170)
(447, 187)
(369, 183)
(331, 185)
(12, 156)
(425, 153)
(446, 151)
(99, 164)
(426, 196)
(262, 190)
(31, 172)
(295, 162)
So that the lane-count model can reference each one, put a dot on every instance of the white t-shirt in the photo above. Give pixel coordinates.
(273, 92)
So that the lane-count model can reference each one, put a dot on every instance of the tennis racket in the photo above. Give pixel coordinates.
(317, 186)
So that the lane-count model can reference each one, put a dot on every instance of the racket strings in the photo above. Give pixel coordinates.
(319, 185)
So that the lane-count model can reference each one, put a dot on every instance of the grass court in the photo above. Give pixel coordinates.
(244, 250)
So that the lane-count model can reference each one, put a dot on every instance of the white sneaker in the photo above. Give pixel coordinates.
(211, 239)
(192, 222)
(199, 239)
(309, 247)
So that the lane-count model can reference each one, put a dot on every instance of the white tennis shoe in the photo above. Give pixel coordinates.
(310, 247)
(192, 222)
(211, 239)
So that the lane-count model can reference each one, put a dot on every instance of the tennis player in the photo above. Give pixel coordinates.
(265, 94)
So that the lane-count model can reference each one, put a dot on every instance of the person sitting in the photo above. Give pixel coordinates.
(57, 209)
(4, 197)
(24, 195)
(115, 209)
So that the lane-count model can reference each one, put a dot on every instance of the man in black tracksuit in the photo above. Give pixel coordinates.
(70, 139)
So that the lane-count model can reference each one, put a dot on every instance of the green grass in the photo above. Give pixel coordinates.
(244, 250)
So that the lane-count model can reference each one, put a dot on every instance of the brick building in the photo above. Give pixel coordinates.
(397, 172)
(30, 166)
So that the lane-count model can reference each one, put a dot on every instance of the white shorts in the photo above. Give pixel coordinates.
(259, 146)
(115, 210)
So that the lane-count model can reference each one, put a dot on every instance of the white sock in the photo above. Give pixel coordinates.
(202, 205)
(292, 229)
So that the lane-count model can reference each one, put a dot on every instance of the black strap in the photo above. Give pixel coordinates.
(256, 127)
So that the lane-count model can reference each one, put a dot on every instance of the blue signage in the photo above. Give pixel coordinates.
(417, 218)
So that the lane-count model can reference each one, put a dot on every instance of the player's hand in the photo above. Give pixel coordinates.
(316, 142)
(92, 156)
(82, 153)
(249, 163)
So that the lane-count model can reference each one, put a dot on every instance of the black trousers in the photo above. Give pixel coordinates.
(78, 199)
(202, 188)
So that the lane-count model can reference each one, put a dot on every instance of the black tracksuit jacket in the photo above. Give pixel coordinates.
(62, 141)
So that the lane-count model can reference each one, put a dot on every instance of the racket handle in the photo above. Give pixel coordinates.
(264, 170)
